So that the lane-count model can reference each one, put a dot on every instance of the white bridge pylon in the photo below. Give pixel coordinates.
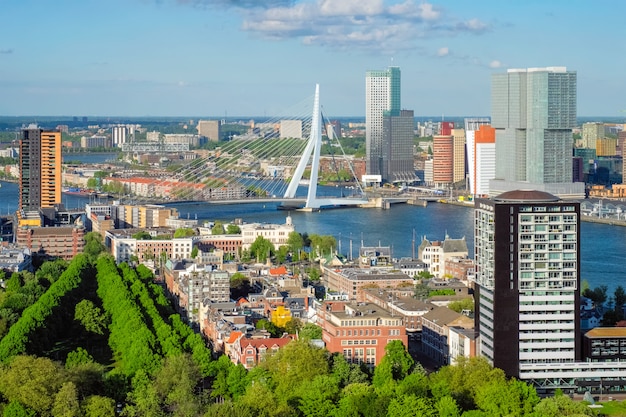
(314, 147)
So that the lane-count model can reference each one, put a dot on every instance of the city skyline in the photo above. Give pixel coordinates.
(240, 57)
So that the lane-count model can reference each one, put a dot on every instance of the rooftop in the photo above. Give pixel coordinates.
(526, 195)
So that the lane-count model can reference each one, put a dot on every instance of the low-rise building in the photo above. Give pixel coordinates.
(351, 281)
(160, 247)
(359, 331)
(63, 242)
(434, 254)
(277, 234)
(15, 259)
(249, 352)
(605, 344)
(436, 326)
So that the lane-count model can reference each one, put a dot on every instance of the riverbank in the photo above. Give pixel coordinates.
(590, 219)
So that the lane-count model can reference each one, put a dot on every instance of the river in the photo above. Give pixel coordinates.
(602, 246)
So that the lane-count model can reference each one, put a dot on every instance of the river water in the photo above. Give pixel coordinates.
(603, 247)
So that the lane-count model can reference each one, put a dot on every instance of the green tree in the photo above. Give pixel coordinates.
(33, 382)
(66, 401)
(281, 254)
(561, 406)
(194, 252)
(92, 183)
(91, 317)
(233, 229)
(411, 406)
(17, 409)
(318, 400)
(175, 383)
(98, 406)
(620, 297)
(310, 331)
(513, 398)
(184, 232)
(218, 228)
(322, 244)
(78, 356)
(142, 235)
(295, 243)
(261, 248)
(395, 365)
(466, 304)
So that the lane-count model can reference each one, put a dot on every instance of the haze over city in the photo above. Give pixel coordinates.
(246, 57)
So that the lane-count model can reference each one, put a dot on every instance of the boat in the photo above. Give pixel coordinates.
(81, 192)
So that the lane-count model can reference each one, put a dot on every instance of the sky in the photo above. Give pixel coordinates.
(227, 58)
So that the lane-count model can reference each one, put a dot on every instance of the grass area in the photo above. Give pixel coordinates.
(613, 408)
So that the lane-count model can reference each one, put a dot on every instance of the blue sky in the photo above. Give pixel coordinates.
(259, 57)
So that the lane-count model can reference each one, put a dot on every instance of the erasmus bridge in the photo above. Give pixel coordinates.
(249, 169)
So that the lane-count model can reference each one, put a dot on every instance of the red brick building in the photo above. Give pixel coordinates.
(63, 242)
(249, 352)
(359, 331)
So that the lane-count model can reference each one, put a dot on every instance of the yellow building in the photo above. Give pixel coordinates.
(606, 147)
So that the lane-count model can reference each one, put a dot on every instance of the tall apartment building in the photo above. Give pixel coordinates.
(484, 152)
(396, 164)
(534, 112)
(40, 169)
(471, 126)
(382, 102)
(119, 135)
(211, 129)
(443, 161)
(527, 279)
(591, 133)
(458, 155)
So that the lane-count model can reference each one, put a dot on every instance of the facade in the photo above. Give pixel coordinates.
(534, 112)
(606, 147)
(211, 129)
(277, 234)
(291, 129)
(458, 155)
(436, 326)
(351, 281)
(119, 135)
(591, 132)
(124, 246)
(527, 280)
(484, 160)
(359, 331)
(382, 94)
(95, 141)
(52, 242)
(435, 254)
(250, 352)
(396, 163)
(605, 344)
(443, 161)
(40, 169)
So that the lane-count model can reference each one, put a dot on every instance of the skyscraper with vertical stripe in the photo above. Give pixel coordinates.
(40, 169)
(389, 130)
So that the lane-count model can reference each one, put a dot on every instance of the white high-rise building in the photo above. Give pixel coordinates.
(382, 97)
(527, 254)
(118, 135)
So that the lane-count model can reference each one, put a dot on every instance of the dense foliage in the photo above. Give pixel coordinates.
(100, 339)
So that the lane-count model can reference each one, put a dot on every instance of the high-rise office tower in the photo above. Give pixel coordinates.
(527, 254)
(118, 135)
(534, 112)
(591, 133)
(382, 98)
(458, 139)
(397, 147)
(474, 164)
(443, 161)
(40, 169)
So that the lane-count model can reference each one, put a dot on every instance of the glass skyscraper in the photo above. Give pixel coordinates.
(534, 112)
(389, 131)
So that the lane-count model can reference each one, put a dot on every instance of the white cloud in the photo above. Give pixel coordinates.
(495, 64)
(349, 24)
(443, 51)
